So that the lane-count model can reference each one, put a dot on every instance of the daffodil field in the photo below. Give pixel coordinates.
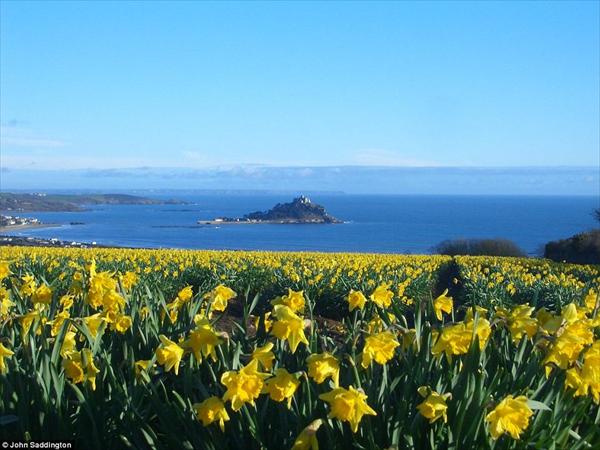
(168, 349)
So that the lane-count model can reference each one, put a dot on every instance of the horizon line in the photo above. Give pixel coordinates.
(306, 166)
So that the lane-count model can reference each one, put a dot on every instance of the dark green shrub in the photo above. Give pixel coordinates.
(583, 248)
(479, 247)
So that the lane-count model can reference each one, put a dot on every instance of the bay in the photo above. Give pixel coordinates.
(373, 223)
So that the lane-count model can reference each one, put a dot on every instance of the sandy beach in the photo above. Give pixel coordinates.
(21, 227)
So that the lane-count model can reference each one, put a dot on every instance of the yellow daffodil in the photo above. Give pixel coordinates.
(110, 316)
(322, 366)
(68, 345)
(548, 323)
(66, 301)
(293, 300)
(572, 313)
(4, 270)
(586, 379)
(219, 297)
(356, 299)
(379, 347)
(4, 353)
(58, 321)
(307, 439)
(172, 309)
(29, 285)
(142, 365)
(243, 386)
(43, 294)
(27, 321)
(122, 324)
(482, 330)
(511, 289)
(169, 354)
(443, 303)
(264, 356)
(510, 416)
(348, 405)
(569, 344)
(5, 303)
(591, 300)
(375, 325)
(434, 406)
(456, 339)
(93, 322)
(102, 285)
(267, 321)
(382, 296)
(203, 340)
(113, 301)
(80, 367)
(128, 280)
(90, 369)
(521, 323)
(282, 386)
(480, 311)
(211, 410)
(144, 312)
(185, 294)
(73, 370)
(288, 327)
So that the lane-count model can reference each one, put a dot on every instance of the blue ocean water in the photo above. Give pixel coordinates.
(374, 223)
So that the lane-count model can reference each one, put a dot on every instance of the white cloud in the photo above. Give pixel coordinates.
(46, 161)
(15, 136)
(31, 142)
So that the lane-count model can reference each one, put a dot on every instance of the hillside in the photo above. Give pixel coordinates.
(67, 202)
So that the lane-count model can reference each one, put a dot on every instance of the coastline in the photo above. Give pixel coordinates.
(27, 226)
(23, 241)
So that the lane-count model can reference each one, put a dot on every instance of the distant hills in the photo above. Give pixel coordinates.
(303, 179)
(66, 202)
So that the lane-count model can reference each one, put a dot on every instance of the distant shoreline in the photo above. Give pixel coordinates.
(26, 226)
(25, 241)
(24, 202)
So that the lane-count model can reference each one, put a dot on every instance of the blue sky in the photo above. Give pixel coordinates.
(120, 85)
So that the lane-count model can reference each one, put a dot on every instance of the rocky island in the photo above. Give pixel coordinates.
(298, 211)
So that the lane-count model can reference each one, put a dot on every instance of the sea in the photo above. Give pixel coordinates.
(372, 223)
